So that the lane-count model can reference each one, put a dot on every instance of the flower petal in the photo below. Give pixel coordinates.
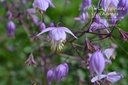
(46, 30)
(68, 31)
(50, 3)
(96, 78)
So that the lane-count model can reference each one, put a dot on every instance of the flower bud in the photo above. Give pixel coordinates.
(51, 24)
(50, 75)
(41, 26)
(61, 71)
(10, 28)
(8, 15)
(113, 20)
(30, 60)
(97, 62)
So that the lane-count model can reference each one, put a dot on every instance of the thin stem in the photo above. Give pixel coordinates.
(119, 45)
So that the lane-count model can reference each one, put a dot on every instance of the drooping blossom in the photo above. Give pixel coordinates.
(105, 3)
(123, 34)
(41, 26)
(61, 71)
(42, 5)
(97, 63)
(50, 75)
(83, 17)
(110, 77)
(8, 15)
(122, 8)
(57, 36)
(109, 53)
(102, 24)
(10, 28)
(30, 60)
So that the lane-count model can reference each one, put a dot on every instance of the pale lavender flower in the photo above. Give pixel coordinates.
(61, 71)
(114, 76)
(41, 26)
(58, 36)
(50, 75)
(109, 53)
(9, 15)
(85, 4)
(97, 62)
(102, 24)
(30, 60)
(113, 20)
(10, 28)
(122, 8)
(83, 17)
(111, 77)
(105, 3)
(42, 4)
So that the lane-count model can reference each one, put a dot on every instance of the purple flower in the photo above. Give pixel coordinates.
(42, 5)
(51, 24)
(83, 17)
(97, 62)
(61, 71)
(50, 75)
(109, 53)
(86, 4)
(111, 77)
(41, 26)
(98, 25)
(106, 3)
(10, 28)
(9, 15)
(122, 8)
(30, 60)
(113, 20)
(97, 18)
(114, 76)
(57, 35)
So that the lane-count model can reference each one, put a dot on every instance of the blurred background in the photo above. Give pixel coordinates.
(14, 51)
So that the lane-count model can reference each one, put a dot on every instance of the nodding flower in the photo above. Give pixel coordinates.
(61, 71)
(97, 63)
(57, 36)
(10, 28)
(42, 5)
